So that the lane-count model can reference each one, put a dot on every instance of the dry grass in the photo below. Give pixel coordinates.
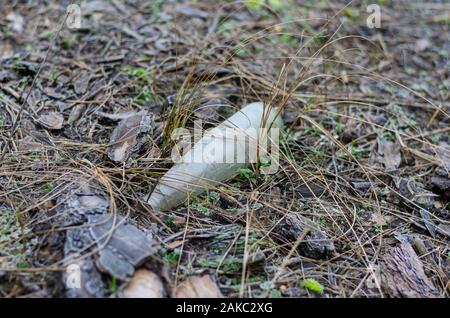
(341, 89)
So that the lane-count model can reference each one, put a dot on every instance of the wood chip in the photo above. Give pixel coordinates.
(316, 243)
(28, 144)
(144, 284)
(443, 183)
(125, 136)
(198, 287)
(126, 246)
(402, 274)
(82, 82)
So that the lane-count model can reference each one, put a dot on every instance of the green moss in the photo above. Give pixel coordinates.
(277, 4)
(172, 257)
(246, 174)
(229, 265)
(49, 187)
(254, 4)
(287, 38)
(351, 14)
(113, 287)
(15, 252)
(444, 19)
(22, 264)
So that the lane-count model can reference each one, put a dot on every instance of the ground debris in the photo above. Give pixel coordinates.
(28, 144)
(443, 154)
(211, 110)
(198, 286)
(316, 243)
(420, 200)
(97, 241)
(16, 22)
(310, 189)
(191, 12)
(129, 135)
(51, 120)
(122, 250)
(389, 154)
(402, 274)
(82, 82)
(118, 116)
(350, 135)
(443, 183)
(7, 75)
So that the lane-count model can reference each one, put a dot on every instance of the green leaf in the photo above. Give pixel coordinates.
(245, 173)
(286, 38)
(275, 294)
(276, 4)
(113, 288)
(254, 4)
(351, 13)
(172, 257)
(266, 285)
(312, 285)
(49, 187)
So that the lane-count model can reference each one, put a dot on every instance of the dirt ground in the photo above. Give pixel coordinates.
(360, 204)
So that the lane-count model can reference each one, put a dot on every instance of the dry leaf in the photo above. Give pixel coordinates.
(6, 50)
(82, 82)
(117, 116)
(442, 183)
(198, 287)
(389, 154)
(28, 144)
(210, 111)
(51, 120)
(125, 136)
(75, 113)
(154, 153)
(428, 221)
(144, 284)
(6, 75)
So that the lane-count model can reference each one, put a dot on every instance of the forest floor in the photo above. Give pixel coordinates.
(360, 204)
